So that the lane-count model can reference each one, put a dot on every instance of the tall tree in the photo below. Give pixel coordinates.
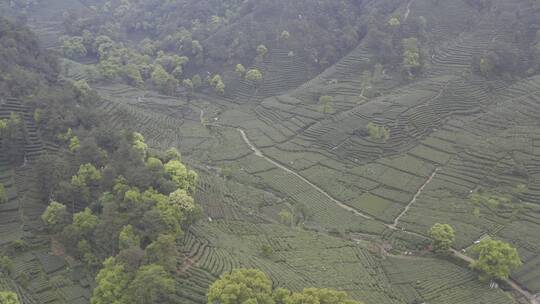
(443, 237)
(496, 259)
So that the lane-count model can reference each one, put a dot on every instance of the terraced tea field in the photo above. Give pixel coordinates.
(359, 205)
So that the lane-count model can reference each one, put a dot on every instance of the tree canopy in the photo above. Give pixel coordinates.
(443, 237)
(496, 259)
(253, 286)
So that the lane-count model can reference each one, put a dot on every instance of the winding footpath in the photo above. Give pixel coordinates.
(273, 162)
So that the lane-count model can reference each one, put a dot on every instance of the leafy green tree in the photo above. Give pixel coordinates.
(6, 265)
(394, 22)
(3, 194)
(325, 104)
(55, 216)
(241, 286)
(85, 221)
(184, 178)
(261, 51)
(139, 144)
(254, 76)
(163, 252)
(240, 69)
(186, 204)
(443, 237)
(217, 83)
(132, 74)
(377, 132)
(496, 259)
(411, 55)
(152, 284)
(8, 297)
(285, 35)
(163, 81)
(73, 47)
(285, 217)
(128, 238)
(112, 281)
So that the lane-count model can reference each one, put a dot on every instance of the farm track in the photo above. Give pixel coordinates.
(396, 220)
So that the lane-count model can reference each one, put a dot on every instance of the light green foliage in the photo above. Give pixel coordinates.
(394, 22)
(163, 81)
(261, 51)
(240, 69)
(73, 47)
(152, 284)
(185, 179)
(217, 83)
(74, 144)
(171, 216)
(112, 281)
(491, 199)
(241, 286)
(285, 35)
(496, 259)
(85, 221)
(133, 75)
(128, 238)
(267, 250)
(55, 216)
(66, 136)
(254, 75)
(443, 237)
(187, 206)
(82, 86)
(3, 194)
(3, 124)
(133, 195)
(8, 297)
(325, 104)
(154, 163)
(188, 84)
(196, 47)
(86, 176)
(163, 252)
(139, 144)
(285, 217)
(377, 132)
(253, 286)
(411, 55)
(36, 116)
(6, 265)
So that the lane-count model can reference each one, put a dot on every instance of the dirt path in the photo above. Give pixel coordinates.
(396, 220)
(260, 154)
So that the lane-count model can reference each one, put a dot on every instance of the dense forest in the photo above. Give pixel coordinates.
(269, 151)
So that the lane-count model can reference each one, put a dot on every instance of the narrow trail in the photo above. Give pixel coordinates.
(413, 200)
(260, 154)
